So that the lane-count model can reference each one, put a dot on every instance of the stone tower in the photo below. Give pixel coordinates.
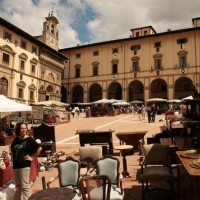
(50, 31)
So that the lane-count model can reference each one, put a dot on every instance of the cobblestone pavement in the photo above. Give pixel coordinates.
(67, 141)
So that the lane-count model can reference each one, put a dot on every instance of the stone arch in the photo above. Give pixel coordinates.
(63, 94)
(183, 88)
(136, 91)
(158, 89)
(95, 92)
(115, 91)
(77, 94)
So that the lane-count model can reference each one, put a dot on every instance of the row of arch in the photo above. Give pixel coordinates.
(158, 89)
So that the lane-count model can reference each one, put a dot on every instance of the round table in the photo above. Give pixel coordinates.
(123, 149)
(54, 193)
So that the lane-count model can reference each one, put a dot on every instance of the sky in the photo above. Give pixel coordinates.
(92, 21)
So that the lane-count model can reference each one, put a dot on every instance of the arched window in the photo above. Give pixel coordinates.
(3, 86)
(52, 29)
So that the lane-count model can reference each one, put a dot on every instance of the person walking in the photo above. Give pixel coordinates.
(153, 108)
(149, 114)
(24, 149)
(143, 112)
(140, 113)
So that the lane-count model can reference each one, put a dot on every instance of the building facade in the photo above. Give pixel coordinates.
(145, 65)
(30, 67)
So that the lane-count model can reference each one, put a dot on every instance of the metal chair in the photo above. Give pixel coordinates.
(155, 166)
(95, 187)
(68, 175)
(109, 166)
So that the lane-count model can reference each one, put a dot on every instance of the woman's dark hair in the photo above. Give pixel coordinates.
(18, 127)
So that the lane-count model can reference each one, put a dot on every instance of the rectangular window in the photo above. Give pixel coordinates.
(135, 66)
(182, 61)
(157, 44)
(114, 68)
(22, 65)
(34, 50)
(137, 34)
(6, 58)
(135, 47)
(77, 72)
(20, 93)
(78, 55)
(145, 32)
(23, 44)
(158, 64)
(33, 69)
(95, 53)
(115, 50)
(95, 70)
(31, 95)
(7, 36)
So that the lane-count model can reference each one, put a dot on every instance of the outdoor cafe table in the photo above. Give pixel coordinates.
(54, 193)
(192, 172)
(124, 149)
(134, 138)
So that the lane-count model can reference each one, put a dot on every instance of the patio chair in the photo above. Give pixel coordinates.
(95, 187)
(68, 175)
(109, 166)
(88, 156)
(155, 166)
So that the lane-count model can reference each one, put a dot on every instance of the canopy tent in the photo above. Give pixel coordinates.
(51, 103)
(136, 102)
(174, 101)
(187, 98)
(104, 101)
(8, 105)
(156, 100)
(122, 103)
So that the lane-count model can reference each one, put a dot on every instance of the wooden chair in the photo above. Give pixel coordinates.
(109, 166)
(68, 175)
(88, 156)
(95, 187)
(155, 166)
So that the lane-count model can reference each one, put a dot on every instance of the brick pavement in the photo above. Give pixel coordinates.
(67, 141)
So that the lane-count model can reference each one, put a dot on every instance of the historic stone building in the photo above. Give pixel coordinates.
(145, 65)
(30, 67)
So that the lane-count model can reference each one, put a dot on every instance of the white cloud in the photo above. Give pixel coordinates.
(113, 18)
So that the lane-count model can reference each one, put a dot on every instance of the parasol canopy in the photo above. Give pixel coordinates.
(156, 100)
(121, 103)
(136, 102)
(8, 105)
(50, 103)
(104, 101)
(187, 98)
(174, 101)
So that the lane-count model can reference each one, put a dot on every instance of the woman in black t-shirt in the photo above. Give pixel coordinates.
(24, 149)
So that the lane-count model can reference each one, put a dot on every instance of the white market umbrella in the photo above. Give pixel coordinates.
(8, 105)
(103, 101)
(50, 103)
(156, 100)
(122, 103)
(188, 98)
(174, 101)
(136, 102)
